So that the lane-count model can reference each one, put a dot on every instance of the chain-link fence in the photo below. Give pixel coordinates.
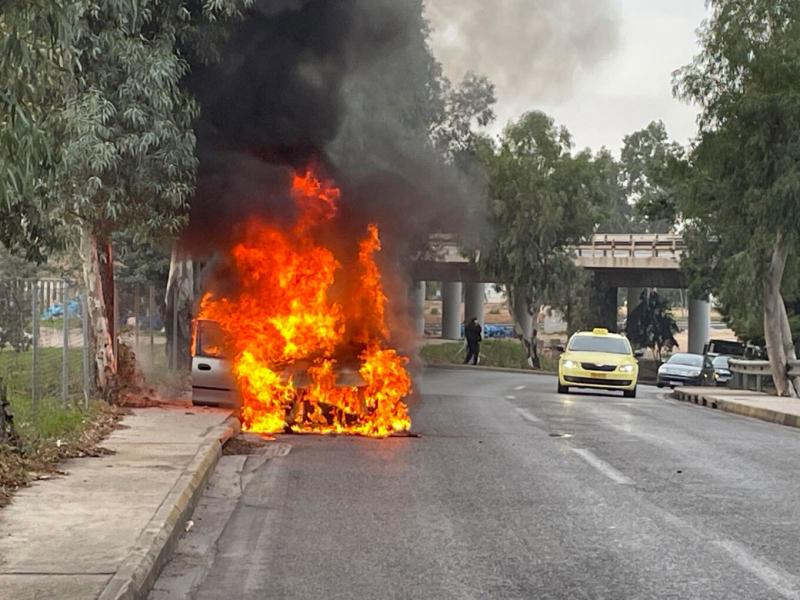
(44, 351)
(45, 354)
(141, 324)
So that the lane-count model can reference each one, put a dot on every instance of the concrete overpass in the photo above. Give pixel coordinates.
(631, 261)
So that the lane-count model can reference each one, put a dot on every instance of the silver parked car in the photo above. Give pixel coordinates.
(722, 370)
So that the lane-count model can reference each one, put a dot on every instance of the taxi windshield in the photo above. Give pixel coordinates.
(596, 343)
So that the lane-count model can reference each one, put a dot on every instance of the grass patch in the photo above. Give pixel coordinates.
(508, 354)
(52, 431)
(16, 370)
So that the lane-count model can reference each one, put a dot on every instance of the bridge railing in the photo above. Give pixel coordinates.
(756, 374)
(633, 246)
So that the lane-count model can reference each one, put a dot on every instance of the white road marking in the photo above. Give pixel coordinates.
(528, 416)
(783, 583)
(511, 397)
(602, 466)
(519, 387)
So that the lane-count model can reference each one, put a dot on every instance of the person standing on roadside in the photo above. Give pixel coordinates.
(472, 332)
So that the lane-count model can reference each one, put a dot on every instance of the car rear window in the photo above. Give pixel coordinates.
(210, 340)
(596, 343)
(689, 360)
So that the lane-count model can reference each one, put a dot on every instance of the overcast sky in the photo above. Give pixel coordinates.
(603, 68)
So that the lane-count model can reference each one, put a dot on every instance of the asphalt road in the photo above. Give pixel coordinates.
(510, 492)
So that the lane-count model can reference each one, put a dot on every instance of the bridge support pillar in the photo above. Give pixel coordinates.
(699, 325)
(417, 301)
(451, 310)
(474, 302)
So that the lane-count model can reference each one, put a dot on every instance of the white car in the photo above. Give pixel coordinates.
(213, 383)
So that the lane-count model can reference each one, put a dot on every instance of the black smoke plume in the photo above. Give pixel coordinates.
(342, 85)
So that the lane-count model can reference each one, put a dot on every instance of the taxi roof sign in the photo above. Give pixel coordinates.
(600, 331)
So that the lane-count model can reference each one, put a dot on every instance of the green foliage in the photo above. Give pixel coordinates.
(542, 199)
(98, 129)
(460, 110)
(139, 261)
(651, 325)
(652, 169)
(15, 317)
(642, 185)
(742, 190)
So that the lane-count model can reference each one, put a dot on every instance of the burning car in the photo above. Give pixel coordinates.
(213, 383)
(303, 327)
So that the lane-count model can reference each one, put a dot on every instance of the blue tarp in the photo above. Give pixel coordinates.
(57, 310)
(495, 331)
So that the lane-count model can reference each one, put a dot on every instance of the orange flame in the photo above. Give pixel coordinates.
(291, 343)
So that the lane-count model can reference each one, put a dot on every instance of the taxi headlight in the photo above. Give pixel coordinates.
(626, 369)
(570, 364)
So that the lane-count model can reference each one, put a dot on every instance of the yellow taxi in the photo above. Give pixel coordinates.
(601, 360)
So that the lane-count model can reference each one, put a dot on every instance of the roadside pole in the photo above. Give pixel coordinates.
(136, 317)
(174, 353)
(115, 328)
(85, 330)
(65, 347)
(35, 341)
(151, 304)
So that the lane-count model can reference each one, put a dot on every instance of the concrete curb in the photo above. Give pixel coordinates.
(138, 572)
(746, 410)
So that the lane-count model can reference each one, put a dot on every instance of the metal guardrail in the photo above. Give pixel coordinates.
(758, 372)
(633, 246)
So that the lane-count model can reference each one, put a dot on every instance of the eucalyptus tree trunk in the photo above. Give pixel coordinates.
(96, 275)
(523, 321)
(180, 290)
(777, 330)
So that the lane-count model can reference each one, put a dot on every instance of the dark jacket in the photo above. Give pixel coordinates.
(472, 332)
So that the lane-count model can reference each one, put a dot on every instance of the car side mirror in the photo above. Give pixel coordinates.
(638, 353)
(560, 348)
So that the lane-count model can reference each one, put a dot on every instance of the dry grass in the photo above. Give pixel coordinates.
(52, 435)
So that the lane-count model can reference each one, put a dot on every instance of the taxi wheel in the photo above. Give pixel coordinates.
(563, 389)
(630, 393)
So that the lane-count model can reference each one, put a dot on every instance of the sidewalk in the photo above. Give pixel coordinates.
(784, 411)
(99, 531)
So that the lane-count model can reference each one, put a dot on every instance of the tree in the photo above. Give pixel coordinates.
(651, 168)
(744, 189)
(645, 183)
(651, 325)
(460, 110)
(618, 215)
(542, 199)
(101, 131)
